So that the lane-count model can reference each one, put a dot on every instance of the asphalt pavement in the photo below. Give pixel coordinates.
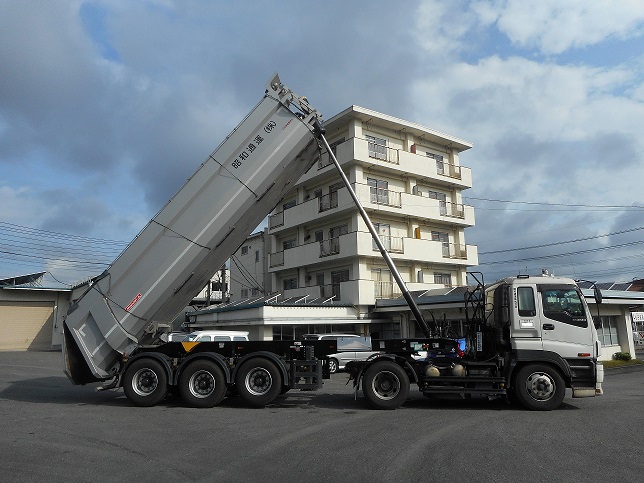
(51, 430)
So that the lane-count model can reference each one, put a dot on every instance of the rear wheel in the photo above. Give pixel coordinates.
(258, 382)
(145, 382)
(202, 384)
(333, 366)
(539, 387)
(385, 385)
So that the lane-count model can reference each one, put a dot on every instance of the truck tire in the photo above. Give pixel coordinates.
(145, 382)
(539, 387)
(202, 384)
(333, 366)
(385, 385)
(258, 382)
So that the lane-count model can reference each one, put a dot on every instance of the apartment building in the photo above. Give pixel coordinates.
(410, 181)
(249, 270)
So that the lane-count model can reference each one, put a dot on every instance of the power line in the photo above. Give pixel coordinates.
(567, 205)
(563, 242)
(544, 257)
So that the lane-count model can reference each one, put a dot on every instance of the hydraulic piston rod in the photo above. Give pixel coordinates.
(385, 254)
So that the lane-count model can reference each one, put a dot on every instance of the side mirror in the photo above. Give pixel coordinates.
(598, 295)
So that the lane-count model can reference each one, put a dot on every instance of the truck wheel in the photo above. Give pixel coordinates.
(202, 384)
(385, 385)
(145, 382)
(333, 366)
(258, 382)
(539, 387)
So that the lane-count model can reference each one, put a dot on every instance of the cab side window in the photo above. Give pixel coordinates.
(525, 298)
(563, 305)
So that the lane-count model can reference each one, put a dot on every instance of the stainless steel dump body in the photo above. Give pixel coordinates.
(180, 249)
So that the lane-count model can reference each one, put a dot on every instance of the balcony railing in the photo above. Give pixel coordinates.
(330, 290)
(276, 220)
(330, 247)
(384, 153)
(391, 244)
(276, 259)
(386, 290)
(328, 202)
(450, 170)
(452, 250)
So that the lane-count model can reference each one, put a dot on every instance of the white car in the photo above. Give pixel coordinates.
(338, 361)
(351, 347)
(215, 335)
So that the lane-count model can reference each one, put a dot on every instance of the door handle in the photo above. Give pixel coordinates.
(548, 326)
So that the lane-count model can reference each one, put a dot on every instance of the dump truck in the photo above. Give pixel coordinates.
(112, 333)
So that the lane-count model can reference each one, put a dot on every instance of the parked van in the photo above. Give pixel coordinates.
(215, 335)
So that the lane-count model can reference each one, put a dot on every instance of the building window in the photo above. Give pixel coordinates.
(256, 255)
(384, 233)
(244, 250)
(244, 293)
(289, 244)
(442, 200)
(319, 236)
(606, 326)
(288, 205)
(319, 279)
(377, 147)
(318, 193)
(442, 237)
(440, 166)
(379, 191)
(443, 279)
(290, 283)
(339, 230)
(337, 278)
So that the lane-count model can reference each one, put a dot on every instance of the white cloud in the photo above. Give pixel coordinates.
(554, 26)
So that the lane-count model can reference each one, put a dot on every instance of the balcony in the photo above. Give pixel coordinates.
(411, 163)
(361, 244)
(391, 244)
(386, 290)
(416, 205)
(395, 160)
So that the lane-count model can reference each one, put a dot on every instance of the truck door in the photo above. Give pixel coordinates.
(564, 325)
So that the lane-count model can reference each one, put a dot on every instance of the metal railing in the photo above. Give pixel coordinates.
(452, 250)
(391, 244)
(328, 202)
(330, 247)
(386, 290)
(276, 220)
(383, 153)
(276, 259)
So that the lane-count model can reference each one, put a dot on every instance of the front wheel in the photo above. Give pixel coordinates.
(145, 382)
(539, 387)
(333, 366)
(202, 384)
(258, 382)
(385, 385)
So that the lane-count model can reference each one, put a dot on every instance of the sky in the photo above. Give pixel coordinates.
(107, 106)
